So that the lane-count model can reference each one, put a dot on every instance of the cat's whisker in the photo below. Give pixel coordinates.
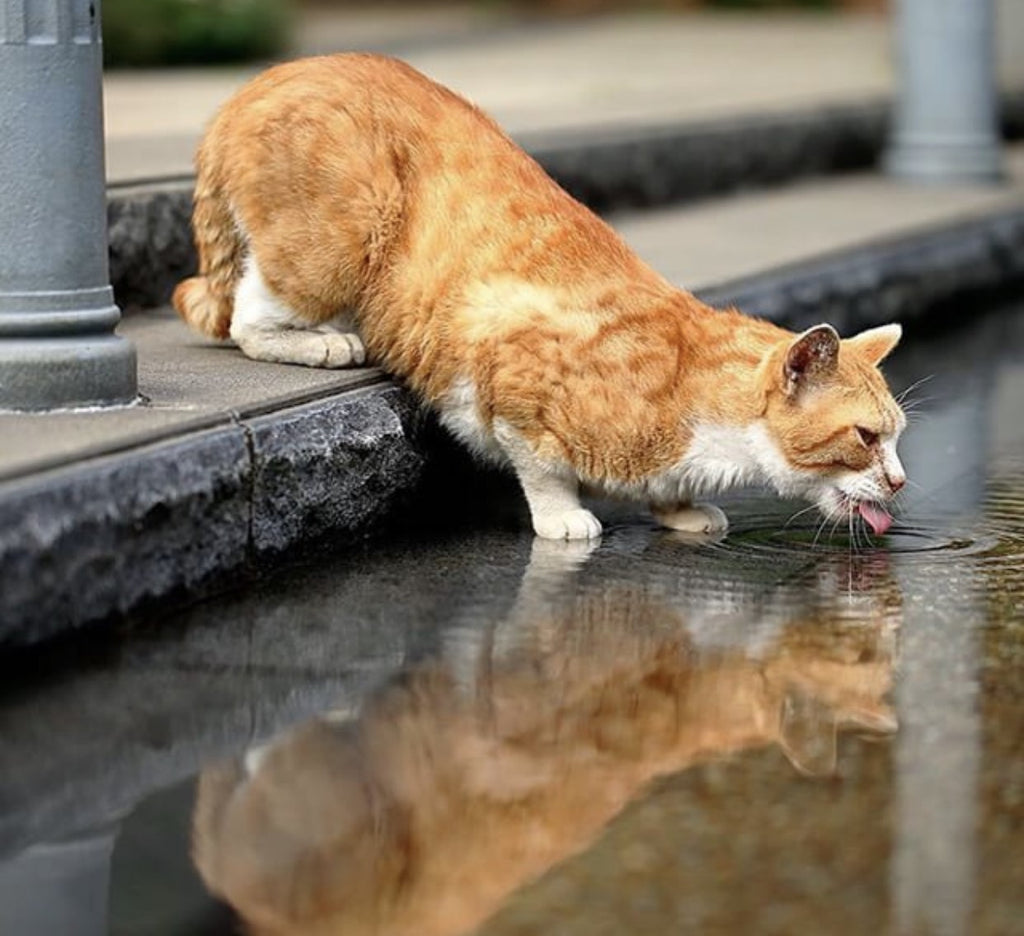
(903, 394)
(924, 496)
(835, 526)
(799, 513)
(817, 535)
(917, 405)
(917, 401)
(849, 568)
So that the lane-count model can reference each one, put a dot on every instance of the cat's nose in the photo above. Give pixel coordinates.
(896, 482)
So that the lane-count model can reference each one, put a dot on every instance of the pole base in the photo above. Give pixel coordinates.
(946, 162)
(67, 372)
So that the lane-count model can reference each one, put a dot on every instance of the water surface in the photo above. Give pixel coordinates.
(466, 730)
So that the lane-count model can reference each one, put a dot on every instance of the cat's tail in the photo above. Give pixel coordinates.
(206, 301)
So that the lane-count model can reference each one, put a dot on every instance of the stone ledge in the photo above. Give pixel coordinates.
(108, 535)
(608, 169)
(100, 537)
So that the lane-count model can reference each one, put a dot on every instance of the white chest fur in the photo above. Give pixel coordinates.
(461, 417)
(718, 458)
(721, 457)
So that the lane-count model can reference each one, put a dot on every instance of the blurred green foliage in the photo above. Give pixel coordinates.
(140, 33)
(595, 6)
(771, 4)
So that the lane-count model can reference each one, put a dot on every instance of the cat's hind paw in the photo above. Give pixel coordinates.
(578, 524)
(694, 518)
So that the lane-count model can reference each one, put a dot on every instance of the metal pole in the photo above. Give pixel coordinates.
(59, 887)
(946, 120)
(57, 312)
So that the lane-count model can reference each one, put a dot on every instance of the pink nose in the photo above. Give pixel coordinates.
(896, 483)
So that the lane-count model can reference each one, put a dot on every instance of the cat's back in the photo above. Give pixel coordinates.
(324, 105)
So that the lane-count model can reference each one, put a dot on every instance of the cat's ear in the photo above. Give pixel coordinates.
(807, 734)
(810, 356)
(876, 344)
(809, 728)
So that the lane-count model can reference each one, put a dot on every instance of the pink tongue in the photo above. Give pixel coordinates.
(876, 517)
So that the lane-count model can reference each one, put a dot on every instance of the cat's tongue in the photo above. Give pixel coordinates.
(875, 517)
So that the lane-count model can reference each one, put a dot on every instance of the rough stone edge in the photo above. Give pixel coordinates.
(103, 537)
(615, 168)
(100, 537)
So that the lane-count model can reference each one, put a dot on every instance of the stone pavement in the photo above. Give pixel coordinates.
(539, 76)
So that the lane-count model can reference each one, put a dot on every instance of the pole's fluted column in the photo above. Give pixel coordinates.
(57, 312)
(946, 120)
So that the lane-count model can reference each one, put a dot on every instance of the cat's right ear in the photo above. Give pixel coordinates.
(807, 734)
(809, 357)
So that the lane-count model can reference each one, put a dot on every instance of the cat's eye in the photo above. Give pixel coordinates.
(866, 436)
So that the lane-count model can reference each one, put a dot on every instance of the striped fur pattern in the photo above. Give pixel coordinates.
(350, 209)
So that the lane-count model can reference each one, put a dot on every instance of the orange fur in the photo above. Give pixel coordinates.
(206, 301)
(355, 185)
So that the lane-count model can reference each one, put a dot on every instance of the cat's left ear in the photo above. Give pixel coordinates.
(811, 356)
(876, 344)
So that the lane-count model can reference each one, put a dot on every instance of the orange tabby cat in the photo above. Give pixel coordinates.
(351, 185)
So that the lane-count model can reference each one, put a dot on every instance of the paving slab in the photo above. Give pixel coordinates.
(186, 384)
(706, 244)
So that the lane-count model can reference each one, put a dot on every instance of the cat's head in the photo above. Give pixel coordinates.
(834, 422)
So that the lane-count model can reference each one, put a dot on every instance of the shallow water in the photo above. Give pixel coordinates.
(791, 730)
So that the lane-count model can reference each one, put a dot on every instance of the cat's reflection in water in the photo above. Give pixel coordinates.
(475, 771)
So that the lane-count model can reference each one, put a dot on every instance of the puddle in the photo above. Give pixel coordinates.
(789, 730)
(934, 543)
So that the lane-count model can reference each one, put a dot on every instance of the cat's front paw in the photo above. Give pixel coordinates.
(343, 350)
(694, 518)
(579, 524)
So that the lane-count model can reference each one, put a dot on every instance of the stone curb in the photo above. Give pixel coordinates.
(106, 536)
(151, 242)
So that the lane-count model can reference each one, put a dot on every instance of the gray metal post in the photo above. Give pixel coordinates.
(946, 120)
(59, 887)
(57, 312)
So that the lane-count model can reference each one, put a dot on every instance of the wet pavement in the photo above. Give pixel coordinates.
(465, 730)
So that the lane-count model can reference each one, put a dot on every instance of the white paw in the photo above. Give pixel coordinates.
(558, 554)
(576, 524)
(697, 518)
(255, 757)
(343, 350)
